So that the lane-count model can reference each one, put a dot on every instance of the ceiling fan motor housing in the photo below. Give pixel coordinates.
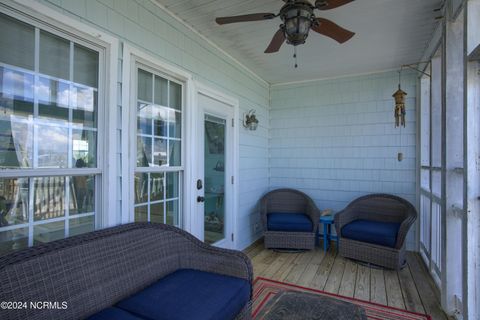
(297, 17)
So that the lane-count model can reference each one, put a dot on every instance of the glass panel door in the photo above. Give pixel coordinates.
(214, 169)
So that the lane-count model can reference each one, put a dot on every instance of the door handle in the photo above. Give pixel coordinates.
(200, 199)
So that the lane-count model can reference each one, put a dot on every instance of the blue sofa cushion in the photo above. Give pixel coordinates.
(114, 313)
(380, 233)
(297, 222)
(190, 294)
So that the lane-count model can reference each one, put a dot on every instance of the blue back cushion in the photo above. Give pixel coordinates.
(190, 294)
(297, 222)
(114, 313)
(380, 233)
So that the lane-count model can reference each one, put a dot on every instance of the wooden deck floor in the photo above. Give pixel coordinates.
(410, 289)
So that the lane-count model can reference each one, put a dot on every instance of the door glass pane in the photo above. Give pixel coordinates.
(81, 225)
(48, 232)
(214, 179)
(173, 213)
(19, 38)
(13, 240)
(157, 213)
(54, 56)
(141, 214)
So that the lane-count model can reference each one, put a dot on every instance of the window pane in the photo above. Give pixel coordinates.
(13, 240)
(52, 147)
(161, 91)
(160, 152)
(175, 96)
(19, 38)
(141, 187)
(144, 118)
(141, 214)
(84, 148)
(54, 56)
(145, 85)
(83, 101)
(53, 99)
(160, 116)
(16, 145)
(82, 194)
(85, 66)
(175, 125)
(175, 153)
(156, 186)
(157, 213)
(16, 93)
(13, 201)
(48, 232)
(172, 185)
(49, 198)
(81, 225)
(173, 213)
(144, 151)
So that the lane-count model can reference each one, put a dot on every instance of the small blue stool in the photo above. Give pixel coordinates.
(327, 222)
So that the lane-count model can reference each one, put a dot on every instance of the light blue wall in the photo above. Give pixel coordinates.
(335, 139)
(146, 26)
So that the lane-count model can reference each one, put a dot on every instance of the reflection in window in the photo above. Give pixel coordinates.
(48, 120)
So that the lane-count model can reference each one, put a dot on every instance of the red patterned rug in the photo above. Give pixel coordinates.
(264, 290)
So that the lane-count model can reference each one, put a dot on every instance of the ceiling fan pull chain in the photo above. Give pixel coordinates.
(295, 56)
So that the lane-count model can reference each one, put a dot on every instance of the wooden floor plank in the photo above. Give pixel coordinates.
(424, 287)
(335, 276)
(300, 265)
(323, 271)
(347, 285)
(394, 292)
(411, 288)
(362, 285)
(254, 249)
(411, 297)
(378, 293)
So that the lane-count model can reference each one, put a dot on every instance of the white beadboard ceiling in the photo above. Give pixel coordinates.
(389, 33)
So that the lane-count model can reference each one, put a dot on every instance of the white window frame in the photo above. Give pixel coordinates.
(48, 19)
(132, 59)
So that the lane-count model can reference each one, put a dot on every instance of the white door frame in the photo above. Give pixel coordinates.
(196, 218)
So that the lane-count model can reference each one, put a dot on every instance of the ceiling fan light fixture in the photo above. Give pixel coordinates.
(297, 23)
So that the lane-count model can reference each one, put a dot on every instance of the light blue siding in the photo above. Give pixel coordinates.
(335, 139)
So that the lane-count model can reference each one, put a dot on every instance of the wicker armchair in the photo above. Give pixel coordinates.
(379, 208)
(97, 270)
(293, 202)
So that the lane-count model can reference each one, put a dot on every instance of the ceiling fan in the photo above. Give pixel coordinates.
(298, 18)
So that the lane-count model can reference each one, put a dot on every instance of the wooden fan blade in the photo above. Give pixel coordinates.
(276, 43)
(332, 4)
(245, 17)
(332, 30)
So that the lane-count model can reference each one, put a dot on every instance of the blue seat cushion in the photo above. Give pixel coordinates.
(190, 294)
(114, 313)
(375, 232)
(297, 222)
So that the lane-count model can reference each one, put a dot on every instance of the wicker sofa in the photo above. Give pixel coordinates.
(133, 271)
(373, 229)
(290, 219)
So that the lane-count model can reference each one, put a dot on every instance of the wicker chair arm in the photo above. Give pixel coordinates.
(263, 211)
(313, 213)
(343, 218)
(403, 230)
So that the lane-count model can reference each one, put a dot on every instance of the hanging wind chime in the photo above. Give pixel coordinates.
(399, 96)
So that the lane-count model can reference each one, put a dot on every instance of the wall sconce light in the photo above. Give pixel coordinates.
(250, 122)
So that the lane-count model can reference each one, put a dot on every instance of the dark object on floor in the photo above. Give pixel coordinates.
(133, 271)
(293, 305)
(373, 229)
(289, 218)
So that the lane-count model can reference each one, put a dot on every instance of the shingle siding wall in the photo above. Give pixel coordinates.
(336, 140)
